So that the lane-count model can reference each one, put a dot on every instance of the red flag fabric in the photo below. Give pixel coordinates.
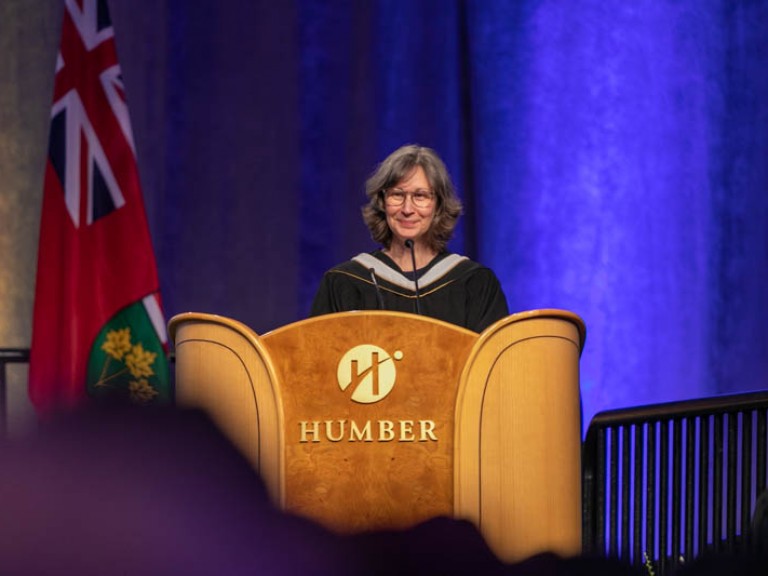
(98, 325)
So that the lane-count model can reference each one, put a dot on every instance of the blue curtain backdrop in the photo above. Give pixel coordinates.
(611, 156)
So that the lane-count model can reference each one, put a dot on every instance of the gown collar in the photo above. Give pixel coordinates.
(386, 269)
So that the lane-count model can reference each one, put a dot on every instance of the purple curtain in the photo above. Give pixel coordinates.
(611, 156)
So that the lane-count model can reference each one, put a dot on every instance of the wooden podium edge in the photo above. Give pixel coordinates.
(493, 393)
(269, 459)
(367, 313)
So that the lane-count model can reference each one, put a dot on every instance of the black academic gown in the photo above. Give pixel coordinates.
(452, 288)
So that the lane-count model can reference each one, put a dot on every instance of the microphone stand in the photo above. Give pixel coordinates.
(409, 245)
(379, 297)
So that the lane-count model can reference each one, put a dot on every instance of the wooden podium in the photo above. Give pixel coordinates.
(381, 420)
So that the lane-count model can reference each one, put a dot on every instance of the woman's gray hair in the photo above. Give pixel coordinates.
(397, 167)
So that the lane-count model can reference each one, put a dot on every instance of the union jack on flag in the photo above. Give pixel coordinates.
(98, 325)
(89, 98)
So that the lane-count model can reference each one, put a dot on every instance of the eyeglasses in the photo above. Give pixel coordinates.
(419, 198)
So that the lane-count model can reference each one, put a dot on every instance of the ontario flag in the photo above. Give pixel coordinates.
(98, 327)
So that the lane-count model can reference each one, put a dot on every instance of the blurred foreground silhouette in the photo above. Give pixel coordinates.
(117, 490)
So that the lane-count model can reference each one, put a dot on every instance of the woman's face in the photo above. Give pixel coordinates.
(408, 221)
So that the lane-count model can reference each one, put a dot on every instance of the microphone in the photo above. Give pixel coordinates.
(409, 245)
(379, 297)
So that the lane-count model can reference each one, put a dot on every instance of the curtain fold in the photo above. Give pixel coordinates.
(610, 155)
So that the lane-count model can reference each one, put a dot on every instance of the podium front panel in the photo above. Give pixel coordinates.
(368, 407)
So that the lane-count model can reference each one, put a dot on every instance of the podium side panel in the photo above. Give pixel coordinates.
(221, 372)
(518, 464)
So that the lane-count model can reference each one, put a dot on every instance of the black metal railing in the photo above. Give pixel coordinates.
(666, 483)
(8, 356)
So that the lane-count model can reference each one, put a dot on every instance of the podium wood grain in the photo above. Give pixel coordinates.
(504, 406)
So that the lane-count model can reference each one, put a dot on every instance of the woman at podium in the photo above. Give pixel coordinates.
(411, 212)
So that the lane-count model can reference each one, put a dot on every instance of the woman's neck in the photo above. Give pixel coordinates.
(401, 255)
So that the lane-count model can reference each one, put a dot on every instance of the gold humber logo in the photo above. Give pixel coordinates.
(370, 372)
(367, 373)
